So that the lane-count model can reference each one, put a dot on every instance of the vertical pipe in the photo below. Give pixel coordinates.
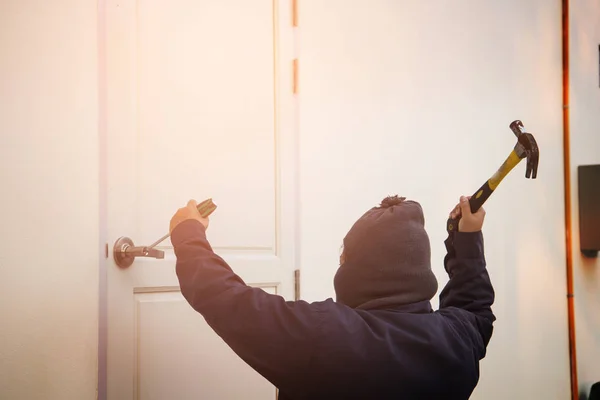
(567, 194)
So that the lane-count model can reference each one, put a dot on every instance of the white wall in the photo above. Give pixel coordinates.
(49, 200)
(415, 98)
(585, 149)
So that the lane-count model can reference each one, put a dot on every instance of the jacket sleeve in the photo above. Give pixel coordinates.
(469, 289)
(270, 334)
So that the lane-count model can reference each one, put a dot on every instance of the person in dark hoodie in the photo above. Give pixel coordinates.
(380, 339)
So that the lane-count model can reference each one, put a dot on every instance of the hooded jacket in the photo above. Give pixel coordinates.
(329, 350)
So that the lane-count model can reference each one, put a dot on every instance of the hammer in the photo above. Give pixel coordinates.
(526, 147)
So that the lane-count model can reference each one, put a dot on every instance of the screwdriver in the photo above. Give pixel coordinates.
(205, 208)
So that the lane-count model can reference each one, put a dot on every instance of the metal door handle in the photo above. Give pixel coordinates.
(124, 252)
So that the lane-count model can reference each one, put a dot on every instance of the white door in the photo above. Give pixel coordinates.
(199, 104)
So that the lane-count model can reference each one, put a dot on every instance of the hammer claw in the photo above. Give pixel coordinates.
(532, 152)
(532, 165)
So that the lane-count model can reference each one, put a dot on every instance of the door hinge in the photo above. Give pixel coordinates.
(297, 285)
(294, 13)
(295, 75)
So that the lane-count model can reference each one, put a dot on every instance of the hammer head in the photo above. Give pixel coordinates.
(526, 147)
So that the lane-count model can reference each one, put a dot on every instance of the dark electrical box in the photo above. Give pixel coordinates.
(589, 209)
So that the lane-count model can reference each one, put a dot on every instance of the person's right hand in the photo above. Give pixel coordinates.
(469, 222)
(190, 211)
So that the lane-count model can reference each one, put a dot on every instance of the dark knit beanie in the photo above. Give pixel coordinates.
(386, 258)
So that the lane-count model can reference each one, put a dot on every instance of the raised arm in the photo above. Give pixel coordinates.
(469, 288)
(270, 334)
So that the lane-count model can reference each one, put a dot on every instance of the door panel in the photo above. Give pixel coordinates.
(199, 105)
(173, 364)
(206, 104)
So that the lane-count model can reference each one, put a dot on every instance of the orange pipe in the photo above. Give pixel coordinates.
(567, 179)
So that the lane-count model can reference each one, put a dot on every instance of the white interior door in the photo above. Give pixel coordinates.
(199, 105)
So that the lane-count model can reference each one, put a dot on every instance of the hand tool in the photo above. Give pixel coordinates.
(526, 147)
(205, 208)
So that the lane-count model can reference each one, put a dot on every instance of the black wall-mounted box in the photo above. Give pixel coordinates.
(589, 209)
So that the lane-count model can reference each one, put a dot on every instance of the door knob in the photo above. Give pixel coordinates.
(124, 252)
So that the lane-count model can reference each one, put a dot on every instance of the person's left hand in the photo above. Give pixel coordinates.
(188, 212)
